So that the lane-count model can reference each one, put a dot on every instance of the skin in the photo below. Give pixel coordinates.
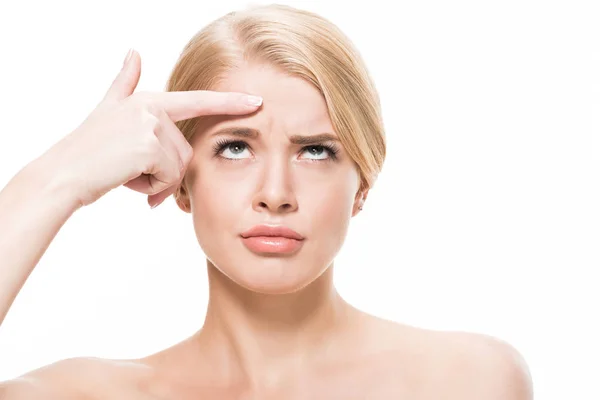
(275, 325)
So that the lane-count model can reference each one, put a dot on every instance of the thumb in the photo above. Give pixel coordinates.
(127, 79)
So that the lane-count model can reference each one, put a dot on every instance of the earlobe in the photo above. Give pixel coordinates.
(359, 201)
(183, 200)
(358, 206)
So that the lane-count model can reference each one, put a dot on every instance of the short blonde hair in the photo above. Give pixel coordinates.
(302, 44)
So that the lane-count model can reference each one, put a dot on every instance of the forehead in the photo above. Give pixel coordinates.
(286, 99)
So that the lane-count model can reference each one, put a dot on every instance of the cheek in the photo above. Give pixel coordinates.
(327, 209)
(332, 199)
(329, 199)
(219, 198)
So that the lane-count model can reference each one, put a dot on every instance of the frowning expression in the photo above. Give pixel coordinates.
(282, 166)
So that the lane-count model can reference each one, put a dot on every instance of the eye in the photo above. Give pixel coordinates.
(232, 150)
(320, 152)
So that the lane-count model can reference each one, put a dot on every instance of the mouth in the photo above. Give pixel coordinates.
(266, 239)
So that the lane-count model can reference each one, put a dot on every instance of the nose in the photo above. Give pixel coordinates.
(276, 193)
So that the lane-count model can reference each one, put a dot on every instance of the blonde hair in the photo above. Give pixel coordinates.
(302, 44)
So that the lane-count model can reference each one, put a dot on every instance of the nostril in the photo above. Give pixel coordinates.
(282, 207)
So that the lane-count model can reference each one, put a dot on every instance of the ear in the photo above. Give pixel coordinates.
(182, 199)
(359, 201)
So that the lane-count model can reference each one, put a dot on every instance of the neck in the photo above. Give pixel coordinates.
(263, 338)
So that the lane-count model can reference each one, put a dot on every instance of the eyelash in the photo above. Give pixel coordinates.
(221, 144)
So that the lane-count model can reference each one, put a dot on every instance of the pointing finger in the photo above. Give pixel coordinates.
(195, 103)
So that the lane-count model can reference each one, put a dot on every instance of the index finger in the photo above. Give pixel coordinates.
(195, 103)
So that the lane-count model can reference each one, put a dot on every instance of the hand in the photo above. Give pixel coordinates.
(131, 139)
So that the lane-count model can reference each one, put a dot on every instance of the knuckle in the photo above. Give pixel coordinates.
(155, 145)
(188, 154)
(174, 170)
(137, 99)
(147, 157)
(149, 120)
(140, 95)
(143, 101)
(137, 107)
(153, 109)
(151, 146)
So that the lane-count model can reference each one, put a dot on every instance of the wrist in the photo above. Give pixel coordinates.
(50, 183)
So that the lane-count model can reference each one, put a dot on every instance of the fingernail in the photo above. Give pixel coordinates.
(253, 100)
(157, 204)
(128, 57)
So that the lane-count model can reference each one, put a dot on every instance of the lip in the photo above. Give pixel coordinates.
(272, 231)
(272, 239)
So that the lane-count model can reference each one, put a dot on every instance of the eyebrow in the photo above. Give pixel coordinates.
(251, 133)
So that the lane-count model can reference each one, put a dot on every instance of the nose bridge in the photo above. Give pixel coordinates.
(276, 190)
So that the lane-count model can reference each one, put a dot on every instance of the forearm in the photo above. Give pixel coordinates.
(34, 205)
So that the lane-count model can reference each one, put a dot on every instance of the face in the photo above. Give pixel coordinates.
(282, 166)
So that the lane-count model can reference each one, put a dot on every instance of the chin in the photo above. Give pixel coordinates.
(269, 273)
(271, 287)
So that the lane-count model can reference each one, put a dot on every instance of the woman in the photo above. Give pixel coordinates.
(271, 185)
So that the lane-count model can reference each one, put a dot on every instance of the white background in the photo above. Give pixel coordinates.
(484, 219)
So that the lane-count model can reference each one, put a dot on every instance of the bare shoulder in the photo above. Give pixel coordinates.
(76, 378)
(483, 366)
(453, 364)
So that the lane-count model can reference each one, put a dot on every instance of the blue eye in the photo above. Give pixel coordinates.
(234, 150)
(321, 152)
(231, 150)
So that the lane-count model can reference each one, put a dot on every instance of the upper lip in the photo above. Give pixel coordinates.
(271, 230)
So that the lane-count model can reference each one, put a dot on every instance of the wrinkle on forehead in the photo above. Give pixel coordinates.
(291, 105)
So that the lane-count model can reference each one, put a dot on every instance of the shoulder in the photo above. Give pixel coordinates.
(80, 377)
(454, 364)
(481, 366)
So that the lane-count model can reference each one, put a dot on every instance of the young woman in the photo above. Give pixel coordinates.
(272, 184)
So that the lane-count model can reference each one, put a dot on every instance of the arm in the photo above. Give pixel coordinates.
(34, 205)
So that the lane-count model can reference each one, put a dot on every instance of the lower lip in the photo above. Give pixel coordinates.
(272, 244)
